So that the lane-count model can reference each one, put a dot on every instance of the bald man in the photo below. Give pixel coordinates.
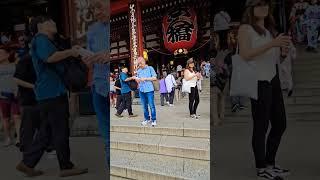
(145, 76)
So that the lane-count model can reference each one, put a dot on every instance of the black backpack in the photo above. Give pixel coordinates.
(133, 85)
(75, 74)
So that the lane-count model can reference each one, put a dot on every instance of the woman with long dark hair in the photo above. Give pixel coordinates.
(260, 46)
(191, 76)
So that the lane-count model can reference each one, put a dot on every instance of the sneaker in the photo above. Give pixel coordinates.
(193, 116)
(154, 123)
(7, 143)
(235, 108)
(168, 102)
(30, 172)
(268, 174)
(118, 115)
(144, 123)
(133, 115)
(171, 105)
(279, 171)
(242, 107)
(73, 172)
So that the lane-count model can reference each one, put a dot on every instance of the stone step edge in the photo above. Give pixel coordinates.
(188, 153)
(140, 174)
(168, 131)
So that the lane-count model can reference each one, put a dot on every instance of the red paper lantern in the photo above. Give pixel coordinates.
(180, 29)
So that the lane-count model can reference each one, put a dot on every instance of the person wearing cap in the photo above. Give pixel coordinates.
(145, 77)
(261, 47)
(192, 77)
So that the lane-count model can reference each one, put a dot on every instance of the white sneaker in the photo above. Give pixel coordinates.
(154, 123)
(168, 103)
(144, 123)
(171, 105)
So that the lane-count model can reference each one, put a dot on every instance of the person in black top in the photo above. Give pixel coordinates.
(25, 78)
(117, 86)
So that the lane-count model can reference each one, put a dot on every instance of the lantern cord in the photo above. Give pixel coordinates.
(200, 46)
(188, 52)
(160, 52)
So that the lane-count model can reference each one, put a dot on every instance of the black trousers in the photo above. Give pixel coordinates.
(54, 114)
(268, 109)
(30, 125)
(163, 96)
(126, 103)
(194, 100)
(223, 39)
(171, 96)
(119, 101)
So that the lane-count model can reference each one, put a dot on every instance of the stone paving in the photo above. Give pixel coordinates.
(85, 152)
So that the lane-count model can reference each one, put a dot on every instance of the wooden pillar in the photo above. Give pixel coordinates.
(136, 34)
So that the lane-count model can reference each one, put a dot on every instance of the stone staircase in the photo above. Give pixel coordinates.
(178, 148)
(305, 101)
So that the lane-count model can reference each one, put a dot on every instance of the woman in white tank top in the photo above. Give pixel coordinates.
(259, 45)
(192, 77)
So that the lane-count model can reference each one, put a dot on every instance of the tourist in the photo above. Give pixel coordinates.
(53, 104)
(113, 98)
(125, 94)
(221, 27)
(98, 42)
(25, 77)
(312, 16)
(9, 107)
(145, 77)
(179, 69)
(192, 77)
(117, 87)
(259, 45)
(207, 69)
(199, 83)
(297, 20)
(285, 70)
(163, 90)
(171, 84)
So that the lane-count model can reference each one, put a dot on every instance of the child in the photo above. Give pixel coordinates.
(163, 90)
(285, 70)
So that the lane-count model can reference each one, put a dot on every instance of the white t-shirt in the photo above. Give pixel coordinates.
(265, 63)
(6, 78)
(222, 21)
(170, 82)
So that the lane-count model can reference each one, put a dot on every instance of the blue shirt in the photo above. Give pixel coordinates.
(124, 86)
(98, 41)
(48, 84)
(146, 72)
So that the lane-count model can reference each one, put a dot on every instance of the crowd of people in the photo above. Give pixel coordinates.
(173, 82)
(305, 23)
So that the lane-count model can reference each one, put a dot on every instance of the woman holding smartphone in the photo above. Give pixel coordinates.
(260, 46)
(192, 77)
